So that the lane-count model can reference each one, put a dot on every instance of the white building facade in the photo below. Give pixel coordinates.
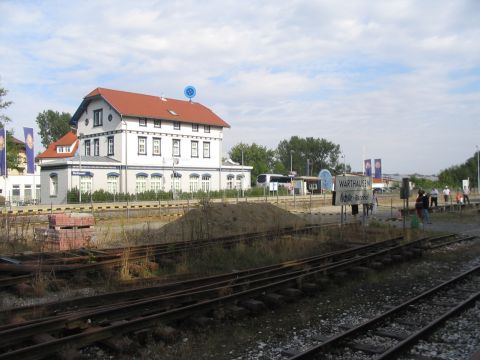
(133, 143)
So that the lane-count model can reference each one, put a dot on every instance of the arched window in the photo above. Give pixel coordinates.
(53, 184)
(156, 182)
(194, 182)
(239, 184)
(112, 184)
(141, 183)
(230, 179)
(206, 182)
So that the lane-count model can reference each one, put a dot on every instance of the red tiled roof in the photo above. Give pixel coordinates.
(66, 140)
(148, 106)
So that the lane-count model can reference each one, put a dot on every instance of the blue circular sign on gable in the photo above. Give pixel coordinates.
(326, 179)
(190, 92)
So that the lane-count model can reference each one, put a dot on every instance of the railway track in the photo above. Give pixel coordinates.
(21, 268)
(79, 323)
(393, 332)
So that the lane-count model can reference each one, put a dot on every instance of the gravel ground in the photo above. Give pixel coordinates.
(301, 324)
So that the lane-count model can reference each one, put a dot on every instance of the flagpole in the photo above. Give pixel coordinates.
(5, 180)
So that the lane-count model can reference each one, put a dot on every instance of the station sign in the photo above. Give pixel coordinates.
(353, 190)
(82, 173)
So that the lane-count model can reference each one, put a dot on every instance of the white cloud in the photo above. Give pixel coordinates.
(379, 76)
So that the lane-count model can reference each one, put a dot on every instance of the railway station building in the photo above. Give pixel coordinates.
(131, 143)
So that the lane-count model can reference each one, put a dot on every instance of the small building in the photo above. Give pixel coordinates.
(20, 188)
(126, 142)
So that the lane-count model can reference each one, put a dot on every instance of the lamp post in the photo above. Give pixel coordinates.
(291, 162)
(80, 167)
(478, 170)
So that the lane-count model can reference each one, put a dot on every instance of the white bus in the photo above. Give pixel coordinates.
(264, 180)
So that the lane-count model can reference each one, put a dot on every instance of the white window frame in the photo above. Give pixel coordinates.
(96, 147)
(112, 184)
(86, 145)
(194, 149)
(98, 117)
(195, 127)
(193, 183)
(142, 122)
(140, 184)
(110, 146)
(205, 183)
(86, 184)
(53, 185)
(176, 147)
(176, 125)
(157, 123)
(206, 128)
(157, 146)
(156, 183)
(206, 150)
(142, 145)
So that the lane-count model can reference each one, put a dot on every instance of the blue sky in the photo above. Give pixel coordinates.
(397, 80)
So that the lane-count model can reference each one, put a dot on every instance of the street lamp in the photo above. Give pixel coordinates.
(291, 162)
(478, 170)
(344, 166)
(80, 135)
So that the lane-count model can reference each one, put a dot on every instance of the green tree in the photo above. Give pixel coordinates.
(454, 175)
(318, 153)
(52, 125)
(3, 105)
(259, 157)
(14, 161)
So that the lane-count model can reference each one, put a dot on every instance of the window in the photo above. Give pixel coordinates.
(206, 149)
(87, 147)
(98, 117)
(195, 127)
(142, 145)
(157, 123)
(110, 145)
(239, 184)
(176, 183)
(112, 184)
(206, 183)
(194, 149)
(176, 147)
(157, 146)
(230, 179)
(53, 185)
(173, 112)
(193, 183)
(142, 122)
(27, 193)
(16, 193)
(96, 147)
(86, 184)
(141, 184)
(176, 125)
(156, 183)
(206, 128)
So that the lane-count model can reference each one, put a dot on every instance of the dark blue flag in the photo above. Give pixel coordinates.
(378, 168)
(3, 152)
(29, 150)
(368, 167)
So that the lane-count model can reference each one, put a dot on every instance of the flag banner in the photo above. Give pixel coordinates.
(368, 167)
(3, 152)
(29, 150)
(378, 168)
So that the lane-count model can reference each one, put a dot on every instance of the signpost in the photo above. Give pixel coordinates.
(353, 190)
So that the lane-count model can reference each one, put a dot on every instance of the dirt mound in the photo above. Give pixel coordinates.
(215, 220)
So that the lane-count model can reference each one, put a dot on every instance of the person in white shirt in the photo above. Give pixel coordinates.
(434, 197)
(446, 194)
(466, 192)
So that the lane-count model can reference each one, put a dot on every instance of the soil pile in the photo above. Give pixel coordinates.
(213, 220)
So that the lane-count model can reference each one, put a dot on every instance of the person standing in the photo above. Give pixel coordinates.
(419, 204)
(425, 214)
(446, 194)
(466, 192)
(434, 197)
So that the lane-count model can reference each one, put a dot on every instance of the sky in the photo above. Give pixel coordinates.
(396, 80)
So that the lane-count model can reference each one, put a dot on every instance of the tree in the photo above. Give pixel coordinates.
(315, 153)
(14, 161)
(3, 105)
(52, 125)
(259, 157)
(454, 175)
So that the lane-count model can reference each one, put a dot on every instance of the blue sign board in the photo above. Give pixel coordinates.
(190, 92)
(326, 179)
